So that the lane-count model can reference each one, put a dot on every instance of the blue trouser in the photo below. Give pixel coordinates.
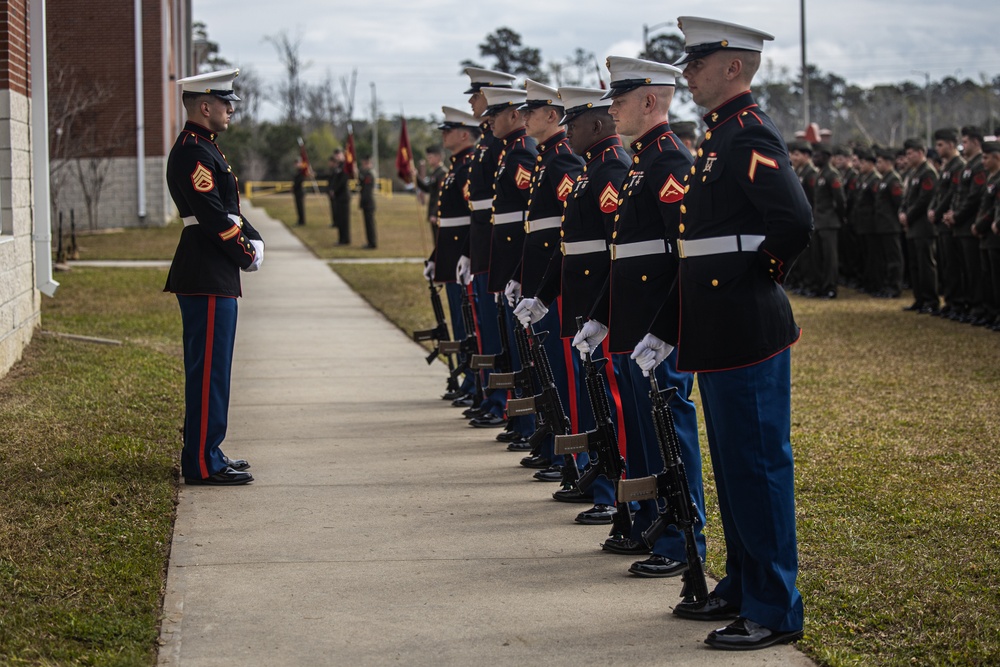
(556, 351)
(523, 425)
(489, 339)
(602, 488)
(748, 418)
(643, 455)
(454, 293)
(209, 325)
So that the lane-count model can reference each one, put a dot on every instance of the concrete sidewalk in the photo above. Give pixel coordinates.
(381, 529)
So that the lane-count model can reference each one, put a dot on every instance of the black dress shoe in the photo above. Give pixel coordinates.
(487, 421)
(508, 435)
(472, 413)
(519, 445)
(226, 477)
(625, 545)
(745, 635)
(930, 310)
(238, 465)
(658, 566)
(539, 462)
(573, 495)
(712, 609)
(550, 474)
(597, 515)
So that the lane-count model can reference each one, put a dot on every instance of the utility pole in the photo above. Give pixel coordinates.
(805, 72)
(374, 133)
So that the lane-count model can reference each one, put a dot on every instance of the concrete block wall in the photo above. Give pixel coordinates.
(118, 205)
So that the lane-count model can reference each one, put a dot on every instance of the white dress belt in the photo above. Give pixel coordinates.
(542, 223)
(718, 245)
(638, 249)
(455, 222)
(583, 247)
(507, 218)
(480, 204)
(192, 220)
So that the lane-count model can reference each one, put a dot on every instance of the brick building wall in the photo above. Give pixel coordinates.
(97, 63)
(19, 299)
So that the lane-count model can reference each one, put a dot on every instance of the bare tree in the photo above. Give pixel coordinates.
(206, 52)
(292, 90)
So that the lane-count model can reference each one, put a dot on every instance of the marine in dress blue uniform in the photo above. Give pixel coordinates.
(553, 174)
(578, 269)
(459, 132)
(509, 209)
(216, 243)
(744, 221)
(474, 264)
(642, 270)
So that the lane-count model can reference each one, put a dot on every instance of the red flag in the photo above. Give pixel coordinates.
(350, 158)
(404, 156)
(306, 169)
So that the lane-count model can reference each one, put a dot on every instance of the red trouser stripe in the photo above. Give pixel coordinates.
(568, 351)
(206, 385)
(617, 397)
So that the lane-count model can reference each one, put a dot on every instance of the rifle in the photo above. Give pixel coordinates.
(439, 334)
(602, 440)
(500, 363)
(671, 486)
(547, 405)
(466, 349)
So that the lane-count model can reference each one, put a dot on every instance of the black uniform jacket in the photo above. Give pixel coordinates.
(215, 242)
(888, 197)
(830, 203)
(916, 200)
(589, 217)
(729, 310)
(649, 210)
(452, 207)
(482, 174)
(510, 200)
(971, 185)
(555, 173)
(944, 190)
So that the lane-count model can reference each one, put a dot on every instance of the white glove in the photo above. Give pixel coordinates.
(589, 337)
(428, 270)
(530, 311)
(463, 270)
(513, 292)
(258, 247)
(650, 352)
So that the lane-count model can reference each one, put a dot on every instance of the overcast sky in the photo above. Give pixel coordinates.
(411, 50)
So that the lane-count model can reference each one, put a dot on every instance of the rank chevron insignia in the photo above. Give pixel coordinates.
(672, 191)
(609, 199)
(565, 187)
(758, 159)
(522, 177)
(201, 179)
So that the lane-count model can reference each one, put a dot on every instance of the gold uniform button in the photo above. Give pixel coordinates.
(701, 151)
(684, 208)
(693, 170)
(584, 171)
(614, 234)
(546, 244)
(774, 261)
(644, 279)
(529, 202)
(704, 178)
(456, 238)
(680, 228)
(508, 238)
(621, 200)
(686, 187)
(561, 233)
(686, 177)
(708, 135)
(715, 283)
(636, 159)
(586, 272)
(617, 215)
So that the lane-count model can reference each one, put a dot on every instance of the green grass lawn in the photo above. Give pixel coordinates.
(88, 474)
